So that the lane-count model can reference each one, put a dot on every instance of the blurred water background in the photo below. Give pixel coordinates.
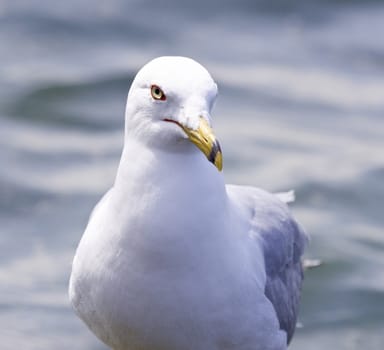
(301, 106)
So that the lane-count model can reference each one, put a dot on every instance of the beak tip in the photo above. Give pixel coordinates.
(215, 155)
(219, 161)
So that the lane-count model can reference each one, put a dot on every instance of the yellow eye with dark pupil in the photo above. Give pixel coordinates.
(157, 93)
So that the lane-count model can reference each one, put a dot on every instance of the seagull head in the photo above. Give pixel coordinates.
(169, 106)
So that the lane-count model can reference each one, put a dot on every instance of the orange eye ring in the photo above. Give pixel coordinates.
(157, 93)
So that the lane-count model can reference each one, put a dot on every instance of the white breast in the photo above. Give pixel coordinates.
(171, 282)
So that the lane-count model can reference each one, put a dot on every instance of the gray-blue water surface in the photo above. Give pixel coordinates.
(301, 106)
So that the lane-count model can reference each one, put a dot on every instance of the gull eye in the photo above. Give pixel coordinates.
(157, 93)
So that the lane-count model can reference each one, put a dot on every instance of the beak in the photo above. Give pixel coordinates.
(206, 141)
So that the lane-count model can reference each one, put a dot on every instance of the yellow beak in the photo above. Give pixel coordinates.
(206, 141)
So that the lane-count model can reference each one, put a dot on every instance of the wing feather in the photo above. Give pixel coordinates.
(283, 243)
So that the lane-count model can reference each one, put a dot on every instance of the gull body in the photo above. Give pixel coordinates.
(172, 257)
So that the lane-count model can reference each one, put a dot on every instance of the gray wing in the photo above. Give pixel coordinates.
(283, 248)
(283, 243)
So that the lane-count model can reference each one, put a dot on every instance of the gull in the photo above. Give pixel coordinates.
(172, 258)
